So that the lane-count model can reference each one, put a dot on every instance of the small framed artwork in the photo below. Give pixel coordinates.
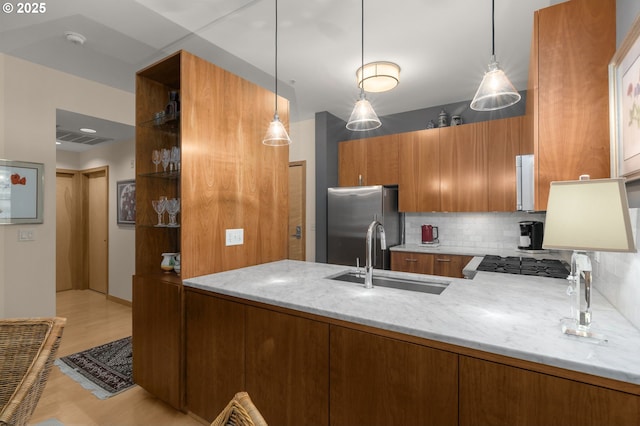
(624, 106)
(126, 204)
(21, 192)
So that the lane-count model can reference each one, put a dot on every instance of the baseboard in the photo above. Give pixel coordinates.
(118, 300)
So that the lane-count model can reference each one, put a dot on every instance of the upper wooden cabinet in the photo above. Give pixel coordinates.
(371, 161)
(419, 175)
(568, 97)
(503, 144)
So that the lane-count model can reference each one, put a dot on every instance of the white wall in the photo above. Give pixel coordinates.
(120, 158)
(30, 96)
(303, 142)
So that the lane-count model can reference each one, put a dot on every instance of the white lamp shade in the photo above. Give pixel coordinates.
(589, 215)
(363, 117)
(495, 91)
(276, 133)
(378, 76)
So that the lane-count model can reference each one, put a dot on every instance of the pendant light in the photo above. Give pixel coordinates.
(495, 91)
(363, 117)
(276, 133)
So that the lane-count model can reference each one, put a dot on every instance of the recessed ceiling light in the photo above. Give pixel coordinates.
(75, 38)
(58, 143)
(87, 130)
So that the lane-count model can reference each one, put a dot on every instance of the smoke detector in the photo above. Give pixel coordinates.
(75, 38)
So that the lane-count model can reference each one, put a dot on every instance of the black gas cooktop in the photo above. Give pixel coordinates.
(549, 268)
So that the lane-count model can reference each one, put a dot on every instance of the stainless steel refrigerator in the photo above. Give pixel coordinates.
(350, 210)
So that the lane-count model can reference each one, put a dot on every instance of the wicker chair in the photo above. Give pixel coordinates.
(27, 350)
(240, 412)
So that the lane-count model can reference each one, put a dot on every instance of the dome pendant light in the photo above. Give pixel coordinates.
(363, 117)
(276, 133)
(495, 91)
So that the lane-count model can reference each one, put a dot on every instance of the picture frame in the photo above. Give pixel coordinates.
(21, 192)
(624, 106)
(126, 202)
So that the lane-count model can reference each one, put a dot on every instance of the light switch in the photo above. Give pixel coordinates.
(234, 237)
(26, 235)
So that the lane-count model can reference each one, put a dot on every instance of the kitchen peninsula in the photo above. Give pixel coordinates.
(487, 350)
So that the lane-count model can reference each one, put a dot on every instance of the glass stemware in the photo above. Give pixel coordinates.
(160, 206)
(155, 158)
(173, 207)
(175, 158)
(166, 158)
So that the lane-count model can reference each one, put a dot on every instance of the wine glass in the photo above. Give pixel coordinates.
(166, 158)
(160, 206)
(173, 207)
(155, 158)
(175, 158)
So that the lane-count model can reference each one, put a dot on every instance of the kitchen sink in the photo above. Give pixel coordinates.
(422, 286)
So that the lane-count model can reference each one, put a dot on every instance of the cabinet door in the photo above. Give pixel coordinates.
(352, 164)
(382, 160)
(420, 263)
(157, 331)
(503, 144)
(496, 394)
(381, 381)
(215, 346)
(463, 168)
(448, 265)
(287, 367)
(575, 41)
(419, 176)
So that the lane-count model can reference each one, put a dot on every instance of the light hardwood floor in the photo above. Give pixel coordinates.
(91, 321)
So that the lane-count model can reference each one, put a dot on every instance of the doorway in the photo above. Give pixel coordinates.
(82, 229)
(297, 210)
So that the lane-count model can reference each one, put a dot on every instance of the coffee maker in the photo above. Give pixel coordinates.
(531, 233)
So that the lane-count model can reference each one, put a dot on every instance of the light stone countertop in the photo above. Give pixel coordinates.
(474, 251)
(506, 314)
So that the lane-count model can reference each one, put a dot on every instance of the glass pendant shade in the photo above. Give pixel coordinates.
(495, 91)
(363, 117)
(276, 133)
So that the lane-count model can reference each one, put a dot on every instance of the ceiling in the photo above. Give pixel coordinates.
(442, 47)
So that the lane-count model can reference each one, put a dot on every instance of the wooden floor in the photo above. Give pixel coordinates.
(91, 321)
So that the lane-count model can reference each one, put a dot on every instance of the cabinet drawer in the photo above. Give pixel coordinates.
(420, 263)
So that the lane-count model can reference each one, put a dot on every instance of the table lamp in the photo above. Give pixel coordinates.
(586, 215)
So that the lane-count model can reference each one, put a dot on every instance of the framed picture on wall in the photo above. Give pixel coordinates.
(126, 202)
(624, 106)
(21, 192)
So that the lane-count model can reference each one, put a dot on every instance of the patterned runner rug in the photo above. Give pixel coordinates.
(104, 370)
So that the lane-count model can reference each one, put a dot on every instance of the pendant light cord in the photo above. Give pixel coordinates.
(493, 28)
(362, 47)
(276, 96)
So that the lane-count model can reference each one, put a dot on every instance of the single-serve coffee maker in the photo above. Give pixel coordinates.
(531, 233)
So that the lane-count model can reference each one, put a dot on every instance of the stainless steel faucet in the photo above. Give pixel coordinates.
(368, 268)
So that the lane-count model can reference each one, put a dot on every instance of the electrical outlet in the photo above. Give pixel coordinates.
(234, 237)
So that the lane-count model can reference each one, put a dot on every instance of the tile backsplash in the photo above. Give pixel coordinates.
(616, 275)
(475, 230)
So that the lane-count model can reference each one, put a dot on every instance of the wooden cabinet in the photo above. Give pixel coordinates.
(215, 348)
(281, 360)
(446, 265)
(381, 381)
(418, 263)
(568, 95)
(497, 394)
(287, 367)
(157, 336)
(220, 119)
(463, 168)
(371, 161)
(503, 144)
(419, 175)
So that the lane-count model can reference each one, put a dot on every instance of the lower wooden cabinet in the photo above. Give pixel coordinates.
(497, 394)
(157, 336)
(381, 381)
(446, 265)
